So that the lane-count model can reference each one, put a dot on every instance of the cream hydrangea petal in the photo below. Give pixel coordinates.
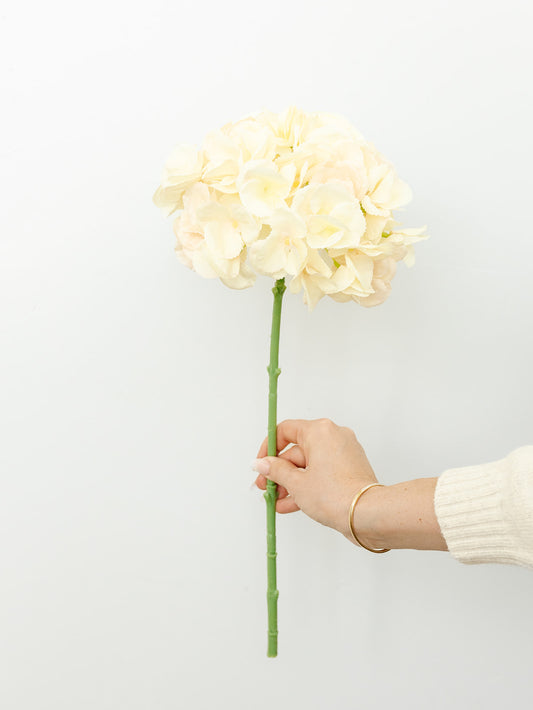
(218, 147)
(222, 176)
(303, 158)
(324, 198)
(300, 201)
(184, 160)
(223, 239)
(187, 236)
(295, 284)
(248, 226)
(374, 299)
(168, 199)
(262, 194)
(203, 264)
(312, 292)
(189, 232)
(285, 221)
(223, 160)
(183, 167)
(262, 188)
(315, 266)
(341, 124)
(340, 297)
(401, 194)
(371, 208)
(384, 270)
(332, 214)
(363, 267)
(341, 279)
(324, 231)
(375, 226)
(267, 255)
(244, 279)
(288, 172)
(183, 256)
(296, 256)
(290, 125)
(277, 257)
(284, 249)
(255, 139)
(319, 263)
(350, 214)
(389, 192)
(256, 198)
(409, 258)
(381, 194)
(227, 227)
(350, 173)
(227, 268)
(409, 236)
(372, 250)
(195, 195)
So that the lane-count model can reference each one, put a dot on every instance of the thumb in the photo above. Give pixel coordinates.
(277, 469)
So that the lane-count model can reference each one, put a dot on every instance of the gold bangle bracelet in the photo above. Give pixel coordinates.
(350, 516)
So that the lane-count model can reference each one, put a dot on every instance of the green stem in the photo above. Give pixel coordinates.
(272, 489)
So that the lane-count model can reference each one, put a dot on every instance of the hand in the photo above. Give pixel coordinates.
(319, 474)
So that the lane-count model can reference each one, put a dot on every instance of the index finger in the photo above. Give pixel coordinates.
(289, 431)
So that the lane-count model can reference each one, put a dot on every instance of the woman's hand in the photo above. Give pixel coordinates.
(326, 467)
(319, 474)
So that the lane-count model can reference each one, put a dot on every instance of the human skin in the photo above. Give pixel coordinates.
(322, 470)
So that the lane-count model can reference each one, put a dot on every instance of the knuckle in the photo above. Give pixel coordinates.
(349, 432)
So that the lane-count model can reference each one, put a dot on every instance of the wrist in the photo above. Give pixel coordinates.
(399, 516)
(368, 517)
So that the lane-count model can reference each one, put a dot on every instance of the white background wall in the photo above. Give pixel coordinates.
(132, 549)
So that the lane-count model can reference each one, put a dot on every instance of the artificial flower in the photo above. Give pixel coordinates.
(293, 194)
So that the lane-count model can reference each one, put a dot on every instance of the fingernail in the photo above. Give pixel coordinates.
(261, 466)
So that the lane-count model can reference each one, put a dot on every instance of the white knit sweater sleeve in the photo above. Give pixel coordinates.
(485, 511)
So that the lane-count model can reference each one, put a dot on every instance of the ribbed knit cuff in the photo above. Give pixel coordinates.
(468, 504)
